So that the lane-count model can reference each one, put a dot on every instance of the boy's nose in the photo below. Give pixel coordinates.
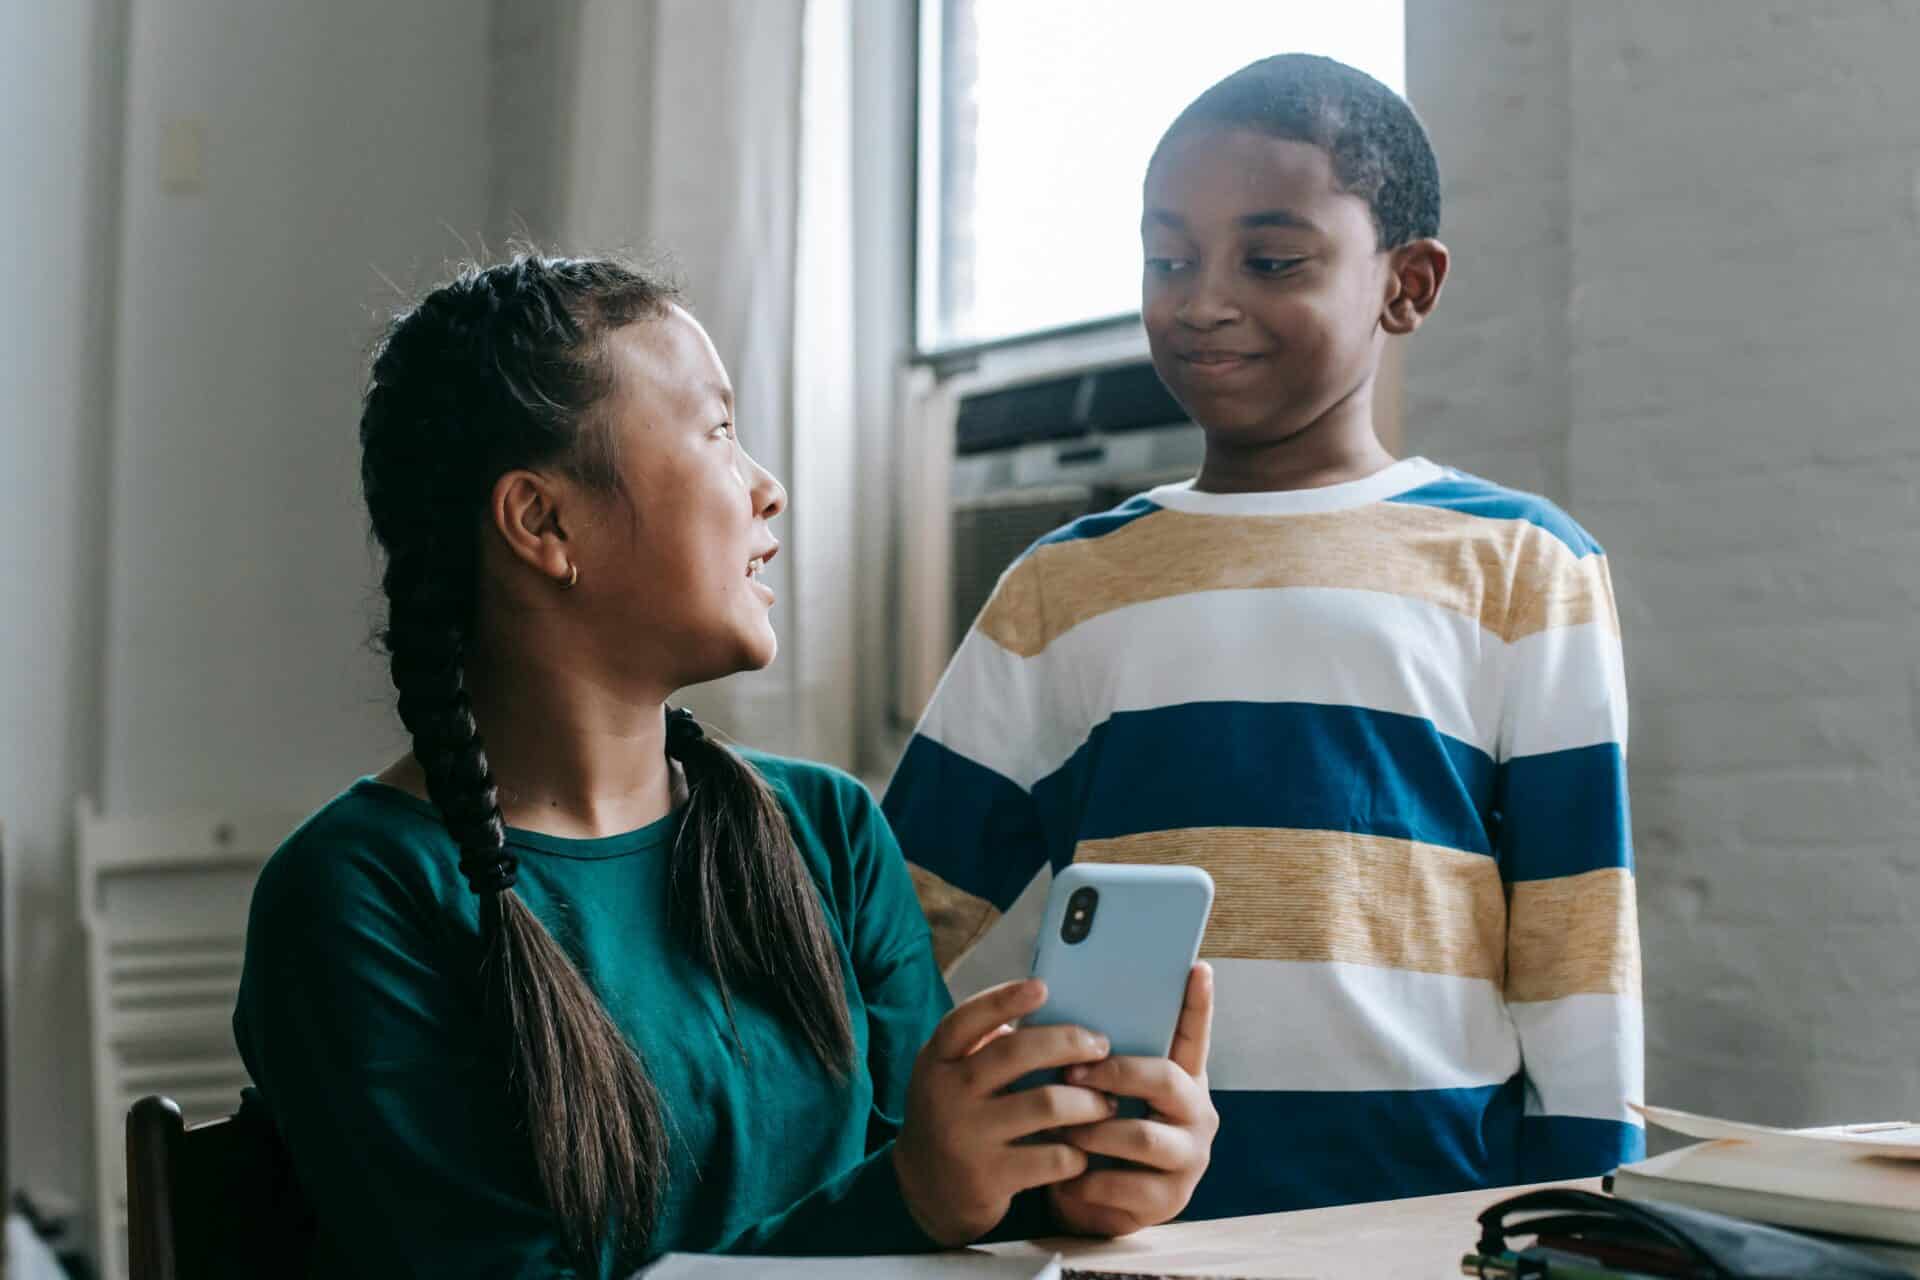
(1209, 305)
(1207, 310)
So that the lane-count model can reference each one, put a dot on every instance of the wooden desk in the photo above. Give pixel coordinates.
(1390, 1240)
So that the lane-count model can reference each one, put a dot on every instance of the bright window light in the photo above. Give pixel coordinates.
(1037, 119)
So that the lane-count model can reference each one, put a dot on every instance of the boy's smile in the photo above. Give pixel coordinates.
(1264, 285)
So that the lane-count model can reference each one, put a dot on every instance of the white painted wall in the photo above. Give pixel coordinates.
(343, 141)
(1687, 242)
(188, 583)
(1489, 380)
(59, 93)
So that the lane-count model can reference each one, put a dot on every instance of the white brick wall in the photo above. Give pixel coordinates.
(1688, 245)
(1489, 77)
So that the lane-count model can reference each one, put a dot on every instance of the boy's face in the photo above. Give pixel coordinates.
(1263, 285)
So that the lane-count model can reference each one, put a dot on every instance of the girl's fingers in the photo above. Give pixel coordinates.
(1095, 1220)
(1165, 1147)
(1138, 1195)
(1051, 1106)
(1194, 1034)
(1006, 1059)
(1163, 1086)
(1004, 1029)
(971, 1022)
(1042, 1164)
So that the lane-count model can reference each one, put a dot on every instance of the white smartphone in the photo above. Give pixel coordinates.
(1115, 949)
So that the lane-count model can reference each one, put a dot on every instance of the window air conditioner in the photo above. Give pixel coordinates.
(1007, 450)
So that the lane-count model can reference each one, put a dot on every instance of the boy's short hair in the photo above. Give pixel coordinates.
(1380, 151)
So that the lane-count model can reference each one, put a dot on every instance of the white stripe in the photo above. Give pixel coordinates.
(1001, 711)
(1584, 1056)
(1328, 646)
(1566, 689)
(1563, 688)
(1288, 1025)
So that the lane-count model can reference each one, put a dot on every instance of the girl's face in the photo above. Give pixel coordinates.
(670, 564)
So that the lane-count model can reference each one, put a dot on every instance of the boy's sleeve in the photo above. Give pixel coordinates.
(961, 801)
(1566, 855)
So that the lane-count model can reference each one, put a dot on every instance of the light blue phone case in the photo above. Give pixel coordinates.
(1128, 977)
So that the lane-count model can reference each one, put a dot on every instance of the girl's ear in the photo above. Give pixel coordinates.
(1415, 273)
(526, 513)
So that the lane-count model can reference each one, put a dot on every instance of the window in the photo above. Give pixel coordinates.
(1036, 121)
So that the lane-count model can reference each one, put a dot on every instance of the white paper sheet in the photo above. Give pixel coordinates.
(1898, 1139)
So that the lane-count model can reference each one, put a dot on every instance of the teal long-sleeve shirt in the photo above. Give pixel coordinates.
(359, 1022)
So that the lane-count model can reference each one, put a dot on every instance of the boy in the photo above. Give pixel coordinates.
(1381, 702)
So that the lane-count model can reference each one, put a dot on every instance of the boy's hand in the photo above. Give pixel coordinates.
(1172, 1145)
(963, 1153)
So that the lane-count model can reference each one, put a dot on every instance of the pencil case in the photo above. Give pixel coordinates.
(1650, 1238)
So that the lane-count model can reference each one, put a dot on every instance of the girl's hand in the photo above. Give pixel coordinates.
(962, 1152)
(1172, 1145)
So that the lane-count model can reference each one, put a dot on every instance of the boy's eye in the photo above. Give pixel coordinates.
(1167, 266)
(724, 430)
(1272, 266)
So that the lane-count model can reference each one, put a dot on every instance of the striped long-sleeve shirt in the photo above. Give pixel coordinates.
(1389, 718)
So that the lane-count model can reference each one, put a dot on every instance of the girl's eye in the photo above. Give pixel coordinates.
(1167, 266)
(725, 430)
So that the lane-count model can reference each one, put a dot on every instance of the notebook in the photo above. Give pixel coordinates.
(926, 1266)
(931, 1266)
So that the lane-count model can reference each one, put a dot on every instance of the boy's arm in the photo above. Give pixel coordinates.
(1565, 847)
(961, 801)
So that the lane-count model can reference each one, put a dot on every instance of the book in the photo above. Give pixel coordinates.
(1824, 1188)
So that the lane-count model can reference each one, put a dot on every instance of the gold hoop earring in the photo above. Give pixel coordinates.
(573, 576)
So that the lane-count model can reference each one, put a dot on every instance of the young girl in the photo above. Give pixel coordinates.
(601, 987)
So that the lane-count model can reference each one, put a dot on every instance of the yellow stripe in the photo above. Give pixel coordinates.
(1510, 576)
(1575, 935)
(956, 917)
(1014, 617)
(1551, 589)
(1336, 896)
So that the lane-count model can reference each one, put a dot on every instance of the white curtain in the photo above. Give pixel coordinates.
(714, 138)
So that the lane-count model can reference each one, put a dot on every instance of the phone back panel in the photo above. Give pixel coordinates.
(1127, 978)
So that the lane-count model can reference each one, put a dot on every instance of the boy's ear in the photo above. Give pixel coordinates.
(1415, 272)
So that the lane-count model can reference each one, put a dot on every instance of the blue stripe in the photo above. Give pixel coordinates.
(1259, 764)
(1558, 1148)
(1473, 496)
(1102, 524)
(970, 826)
(1563, 813)
(1301, 1150)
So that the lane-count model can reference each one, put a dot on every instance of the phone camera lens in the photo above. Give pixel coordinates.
(1079, 916)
